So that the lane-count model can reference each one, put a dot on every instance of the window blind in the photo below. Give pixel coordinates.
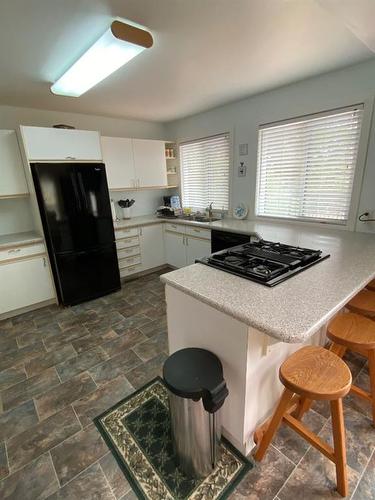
(205, 172)
(306, 166)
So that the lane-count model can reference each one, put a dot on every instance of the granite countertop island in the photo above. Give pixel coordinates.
(295, 309)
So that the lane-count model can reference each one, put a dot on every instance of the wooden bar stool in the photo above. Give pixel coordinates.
(356, 333)
(371, 286)
(312, 373)
(363, 303)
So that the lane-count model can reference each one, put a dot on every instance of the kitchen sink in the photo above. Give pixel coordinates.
(198, 218)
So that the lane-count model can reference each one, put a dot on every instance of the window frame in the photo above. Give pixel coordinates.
(230, 167)
(363, 142)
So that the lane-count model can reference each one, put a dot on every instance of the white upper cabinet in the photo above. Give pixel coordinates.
(43, 143)
(119, 161)
(12, 175)
(150, 163)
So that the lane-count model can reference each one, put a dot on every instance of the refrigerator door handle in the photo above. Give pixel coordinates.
(83, 193)
(75, 188)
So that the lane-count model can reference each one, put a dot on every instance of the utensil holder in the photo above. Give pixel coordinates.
(127, 212)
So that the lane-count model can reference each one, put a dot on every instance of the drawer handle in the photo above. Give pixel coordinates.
(70, 158)
(197, 230)
(14, 250)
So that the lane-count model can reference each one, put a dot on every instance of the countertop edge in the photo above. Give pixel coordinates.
(291, 339)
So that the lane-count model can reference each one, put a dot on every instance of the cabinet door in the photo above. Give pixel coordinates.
(119, 162)
(12, 174)
(175, 250)
(43, 143)
(196, 249)
(150, 164)
(25, 282)
(152, 246)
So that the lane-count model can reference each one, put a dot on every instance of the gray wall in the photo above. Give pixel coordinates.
(352, 85)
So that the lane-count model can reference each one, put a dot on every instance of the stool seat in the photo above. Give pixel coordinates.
(313, 372)
(352, 330)
(371, 286)
(363, 303)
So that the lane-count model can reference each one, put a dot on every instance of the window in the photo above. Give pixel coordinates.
(306, 166)
(205, 172)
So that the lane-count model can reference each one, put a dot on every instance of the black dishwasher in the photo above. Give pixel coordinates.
(220, 240)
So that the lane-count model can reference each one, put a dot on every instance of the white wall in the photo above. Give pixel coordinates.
(15, 215)
(11, 117)
(351, 85)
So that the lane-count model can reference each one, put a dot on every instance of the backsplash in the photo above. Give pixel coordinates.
(146, 202)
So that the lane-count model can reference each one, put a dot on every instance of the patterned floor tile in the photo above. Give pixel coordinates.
(266, 478)
(41, 437)
(80, 363)
(77, 453)
(14, 421)
(114, 367)
(32, 387)
(36, 481)
(12, 376)
(97, 402)
(115, 476)
(147, 371)
(366, 486)
(4, 469)
(48, 359)
(129, 338)
(152, 347)
(54, 400)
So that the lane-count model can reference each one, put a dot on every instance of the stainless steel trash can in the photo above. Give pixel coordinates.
(197, 391)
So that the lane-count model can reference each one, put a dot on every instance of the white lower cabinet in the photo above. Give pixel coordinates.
(196, 248)
(152, 246)
(175, 249)
(182, 249)
(24, 283)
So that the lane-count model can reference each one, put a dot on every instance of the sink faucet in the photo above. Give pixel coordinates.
(210, 211)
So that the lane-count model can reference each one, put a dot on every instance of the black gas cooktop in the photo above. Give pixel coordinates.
(264, 261)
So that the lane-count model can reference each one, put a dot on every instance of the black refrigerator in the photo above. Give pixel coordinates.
(76, 214)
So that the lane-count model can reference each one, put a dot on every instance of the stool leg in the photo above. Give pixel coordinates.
(338, 429)
(274, 424)
(303, 407)
(371, 368)
(340, 350)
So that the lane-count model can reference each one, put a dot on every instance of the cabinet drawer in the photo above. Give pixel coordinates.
(129, 261)
(126, 232)
(176, 228)
(128, 252)
(199, 232)
(18, 252)
(127, 242)
(128, 271)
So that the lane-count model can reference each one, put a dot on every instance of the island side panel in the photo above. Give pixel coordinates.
(192, 323)
(263, 387)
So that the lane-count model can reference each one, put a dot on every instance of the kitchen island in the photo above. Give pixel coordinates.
(253, 328)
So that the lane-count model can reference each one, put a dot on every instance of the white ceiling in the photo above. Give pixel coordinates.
(206, 52)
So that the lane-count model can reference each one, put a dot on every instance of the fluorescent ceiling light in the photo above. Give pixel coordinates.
(118, 45)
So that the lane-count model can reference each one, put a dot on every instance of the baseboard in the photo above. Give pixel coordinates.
(134, 276)
(22, 310)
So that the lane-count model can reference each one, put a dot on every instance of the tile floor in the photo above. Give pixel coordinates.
(59, 368)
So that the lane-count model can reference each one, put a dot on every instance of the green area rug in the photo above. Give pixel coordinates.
(137, 430)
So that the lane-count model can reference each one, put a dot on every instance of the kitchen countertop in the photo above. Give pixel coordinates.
(16, 239)
(295, 309)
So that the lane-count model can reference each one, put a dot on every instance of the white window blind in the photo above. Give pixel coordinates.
(306, 166)
(205, 172)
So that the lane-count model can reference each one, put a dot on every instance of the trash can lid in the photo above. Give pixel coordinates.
(194, 373)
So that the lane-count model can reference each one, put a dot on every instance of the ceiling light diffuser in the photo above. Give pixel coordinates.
(118, 45)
